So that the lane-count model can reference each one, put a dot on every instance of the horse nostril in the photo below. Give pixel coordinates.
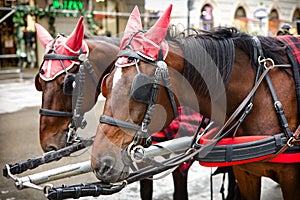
(106, 165)
(51, 148)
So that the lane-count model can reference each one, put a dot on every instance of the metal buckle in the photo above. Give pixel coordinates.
(291, 141)
(72, 135)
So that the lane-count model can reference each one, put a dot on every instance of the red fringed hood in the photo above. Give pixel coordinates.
(146, 44)
(69, 46)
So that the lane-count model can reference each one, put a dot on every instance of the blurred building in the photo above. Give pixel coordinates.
(18, 38)
(252, 16)
(109, 17)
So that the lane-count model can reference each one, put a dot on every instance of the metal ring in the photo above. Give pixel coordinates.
(260, 59)
(271, 66)
(46, 189)
(129, 149)
(139, 149)
(290, 142)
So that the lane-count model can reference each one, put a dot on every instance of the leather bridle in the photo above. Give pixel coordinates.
(142, 138)
(76, 114)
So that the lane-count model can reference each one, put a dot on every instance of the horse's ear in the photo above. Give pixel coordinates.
(74, 41)
(43, 35)
(103, 86)
(37, 83)
(159, 30)
(134, 24)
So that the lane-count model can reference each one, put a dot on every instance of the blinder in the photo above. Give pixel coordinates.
(69, 85)
(141, 89)
(37, 83)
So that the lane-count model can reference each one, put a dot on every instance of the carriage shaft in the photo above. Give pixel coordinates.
(31, 181)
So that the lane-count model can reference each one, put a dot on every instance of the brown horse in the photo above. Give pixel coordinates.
(58, 99)
(214, 71)
(59, 106)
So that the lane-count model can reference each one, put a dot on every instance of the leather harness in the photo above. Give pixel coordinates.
(76, 114)
(246, 152)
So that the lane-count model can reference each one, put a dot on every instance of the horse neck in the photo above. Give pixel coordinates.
(222, 101)
(103, 51)
(200, 83)
(101, 55)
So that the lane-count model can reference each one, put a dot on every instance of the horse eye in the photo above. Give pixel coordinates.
(130, 59)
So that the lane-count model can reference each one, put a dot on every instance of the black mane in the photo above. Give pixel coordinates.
(205, 49)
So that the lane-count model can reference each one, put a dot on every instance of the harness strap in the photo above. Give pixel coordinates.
(257, 50)
(91, 71)
(279, 110)
(248, 150)
(204, 150)
(55, 113)
(78, 117)
(277, 103)
(116, 122)
(289, 144)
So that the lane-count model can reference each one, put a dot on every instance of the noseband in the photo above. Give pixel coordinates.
(72, 81)
(147, 94)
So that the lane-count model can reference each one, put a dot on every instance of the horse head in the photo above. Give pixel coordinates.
(68, 78)
(129, 97)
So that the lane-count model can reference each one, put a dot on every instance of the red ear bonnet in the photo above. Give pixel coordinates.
(69, 46)
(159, 30)
(76, 37)
(146, 44)
(43, 35)
(134, 24)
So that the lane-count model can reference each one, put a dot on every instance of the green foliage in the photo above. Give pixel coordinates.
(51, 13)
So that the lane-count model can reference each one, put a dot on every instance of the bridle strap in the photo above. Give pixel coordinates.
(131, 54)
(116, 122)
(59, 57)
(55, 113)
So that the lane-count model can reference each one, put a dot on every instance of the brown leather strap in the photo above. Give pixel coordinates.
(291, 142)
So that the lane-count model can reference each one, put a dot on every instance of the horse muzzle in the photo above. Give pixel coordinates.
(53, 142)
(110, 170)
